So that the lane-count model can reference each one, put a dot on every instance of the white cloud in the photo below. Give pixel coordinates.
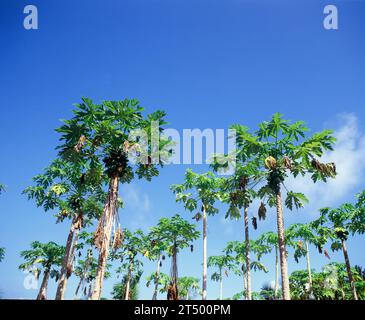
(349, 155)
(226, 225)
(137, 206)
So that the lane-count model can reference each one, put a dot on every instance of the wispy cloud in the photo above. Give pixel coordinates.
(349, 155)
(137, 206)
(226, 225)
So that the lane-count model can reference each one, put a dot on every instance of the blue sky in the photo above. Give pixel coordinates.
(208, 64)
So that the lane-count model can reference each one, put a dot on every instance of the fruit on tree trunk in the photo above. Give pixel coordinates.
(248, 262)
(42, 294)
(66, 268)
(282, 249)
(348, 268)
(105, 225)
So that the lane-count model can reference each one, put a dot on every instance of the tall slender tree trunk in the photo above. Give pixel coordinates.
(107, 224)
(128, 283)
(248, 262)
(78, 288)
(220, 286)
(276, 287)
(204, 295)
(282, 249)
(90, 291)
(42, 294)
(157, 275)
(308, 267)
(349, 272)
(244, 283)
(66, 268)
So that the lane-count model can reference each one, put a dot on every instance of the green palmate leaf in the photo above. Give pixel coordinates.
(43, 256)
(295, 199)
(336, 246)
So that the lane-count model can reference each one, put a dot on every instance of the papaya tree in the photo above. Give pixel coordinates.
(75, 192)
(120, 288)
(357, 223)
(280, 149)
(132, 245)
(236, 251)
(178, 234)
(300, 236)
(188, 287)
(86, 270)
(337, 221)
(238, 190)
(222, 263)
(116, 136)
(269, 241)
(200, 191)
(46, 258)
(161, 282)
(156, 247)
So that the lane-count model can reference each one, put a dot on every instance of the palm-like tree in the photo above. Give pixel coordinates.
(200, 190)
(268, 241)
(86, 271)
(178, 234)
(156, 247)
(357, 224)
(161, 282)
(300, 236)
(188, 287)
(238, 190)
(133, 244)
(335, 223)
(115, 137)
(222, 263)
(77, 195)
(131, 284)
(280, 148)
(238, 193)
(43, 257)
(236, 251)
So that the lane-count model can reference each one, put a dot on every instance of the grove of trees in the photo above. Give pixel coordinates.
(108, 145)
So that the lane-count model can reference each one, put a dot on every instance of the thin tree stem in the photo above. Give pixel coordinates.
(282, 249)
(248, 262)
(204, 295)
(348, 268)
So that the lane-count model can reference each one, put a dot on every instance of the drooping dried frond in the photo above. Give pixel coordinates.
(98, 236)
(80, 144)
(287, 163)
(118, 238)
